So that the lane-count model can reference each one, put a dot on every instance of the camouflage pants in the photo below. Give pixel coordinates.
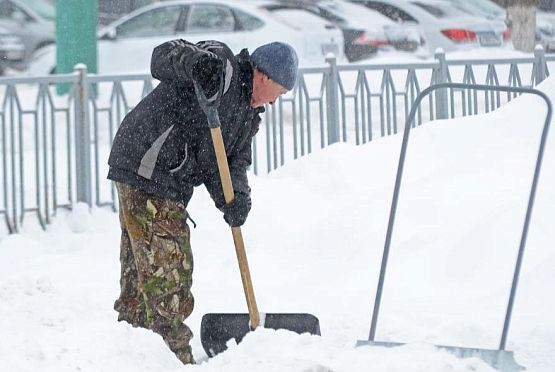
(156, 267)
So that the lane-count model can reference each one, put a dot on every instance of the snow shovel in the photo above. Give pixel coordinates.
(218, 329)
(498, 358)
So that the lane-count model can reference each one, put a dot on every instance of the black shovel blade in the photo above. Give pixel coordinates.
(217, 329)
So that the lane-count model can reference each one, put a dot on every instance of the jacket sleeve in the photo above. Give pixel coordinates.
(173, 60)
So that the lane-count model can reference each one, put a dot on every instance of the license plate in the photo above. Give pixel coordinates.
(489, 40)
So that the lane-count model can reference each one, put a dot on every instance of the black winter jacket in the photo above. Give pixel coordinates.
(164, 146)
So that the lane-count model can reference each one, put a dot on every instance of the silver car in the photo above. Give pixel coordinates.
(444, 25)
(545, 32)
(30, 23)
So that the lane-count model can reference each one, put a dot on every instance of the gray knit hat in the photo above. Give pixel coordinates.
(279, 61)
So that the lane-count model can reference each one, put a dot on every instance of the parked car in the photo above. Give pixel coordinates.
(546, 11)
(125, 46)
(11, 49)
(545, 32)
(32, 26)
(310, 25)
(442, 24)
(365, 31)
(356, 43)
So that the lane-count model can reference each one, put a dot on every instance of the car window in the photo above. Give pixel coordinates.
(8, 10)
(441, 11)
(210, 18)
(486, 6)
(332, 17)
(247, 21)
(156, 22)
(477, 9)
(356, 15)
(319, 11)
(43, 8)
(390, 11)
(300, 19)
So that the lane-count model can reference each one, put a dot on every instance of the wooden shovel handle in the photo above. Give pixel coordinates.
(229, 195)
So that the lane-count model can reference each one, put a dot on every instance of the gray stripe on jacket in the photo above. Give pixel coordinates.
(148, 162)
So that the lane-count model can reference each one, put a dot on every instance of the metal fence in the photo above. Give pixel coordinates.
(55, 147)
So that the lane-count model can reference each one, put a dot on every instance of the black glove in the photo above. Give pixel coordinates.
(208, 70)
(236, 212)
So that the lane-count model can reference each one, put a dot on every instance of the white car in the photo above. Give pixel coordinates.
(29, 23)
(444, 25)
(125, 46)
(545, 32)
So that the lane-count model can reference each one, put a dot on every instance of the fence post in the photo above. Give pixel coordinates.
(82, 137)
(539, 62)
(442, 74)
(332, 91)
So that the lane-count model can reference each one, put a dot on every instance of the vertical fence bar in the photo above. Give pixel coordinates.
(359, 132)
(111, 118)
(539, 64)
(70, 131)
(37, 170)
(9, 103)
(5, 211)
(274, 136)
(368, 93)
(385, 90)
(96, 141)
(82, 138)
(364, 122)
(254, 156)
(54, 158)
(20, 135)
(281, 134)
(441, 77)
(302, 111)
(333, 102)
(322, 121)
(268, 147)
(46, 155)
(357, 94)
(294, 114)
(343, 111)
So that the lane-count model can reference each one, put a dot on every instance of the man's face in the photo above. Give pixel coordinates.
(264, 90)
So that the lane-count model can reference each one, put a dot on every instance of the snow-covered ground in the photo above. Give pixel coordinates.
(314, 240)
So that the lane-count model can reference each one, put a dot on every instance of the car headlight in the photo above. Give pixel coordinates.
(11, 48)
(10, 40)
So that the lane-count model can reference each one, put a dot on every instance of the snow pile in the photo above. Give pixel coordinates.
(314, 240)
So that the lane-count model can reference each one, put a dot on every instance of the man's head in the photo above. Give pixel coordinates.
(275, 73)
